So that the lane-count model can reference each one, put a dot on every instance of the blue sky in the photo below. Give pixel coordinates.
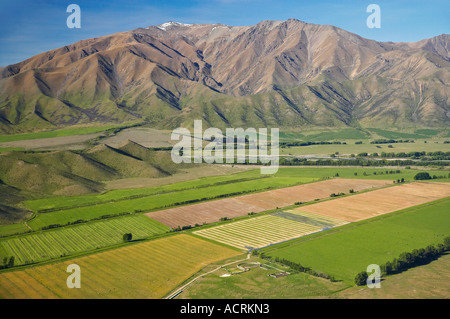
(29, 27)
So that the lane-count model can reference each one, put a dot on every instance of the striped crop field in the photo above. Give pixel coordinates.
(380, 201)
(146, 270)
(44, 245)
(266, 230)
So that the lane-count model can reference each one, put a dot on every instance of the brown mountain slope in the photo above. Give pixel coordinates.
(276, 73)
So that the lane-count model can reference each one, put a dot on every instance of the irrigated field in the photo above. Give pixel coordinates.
(212, 211)
(349, 251)
(268, 229)
(44, 245)
(382, 201)
(146, 270)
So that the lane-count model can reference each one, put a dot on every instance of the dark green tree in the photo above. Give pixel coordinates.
(361, 278)
(422, 176)
(127, 237)
(11, 262)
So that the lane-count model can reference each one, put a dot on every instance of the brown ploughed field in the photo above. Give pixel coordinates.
(212, 211)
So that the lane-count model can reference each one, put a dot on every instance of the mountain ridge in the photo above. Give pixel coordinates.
(289, 74)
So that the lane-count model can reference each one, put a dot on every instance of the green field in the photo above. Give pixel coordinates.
(349, 251)
(351, 148)
(11, 229)
(9, 149)
(357, 134)
(121, 194)
(266, 230)
(58, 133)
(44, 245)
(423, 133)
(337, 135)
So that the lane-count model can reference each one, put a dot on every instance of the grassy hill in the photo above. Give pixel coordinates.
(27, 174)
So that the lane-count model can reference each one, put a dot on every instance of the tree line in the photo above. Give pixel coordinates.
(295, 266)
(356, 162)
(435, 156)
(390, 141)
(289, 144)
(408, 260)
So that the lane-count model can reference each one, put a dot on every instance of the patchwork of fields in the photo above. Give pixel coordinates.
(345, 253)
(146, 270)
(268, 229)
(147, 199)
(212, 211)
(153, 268)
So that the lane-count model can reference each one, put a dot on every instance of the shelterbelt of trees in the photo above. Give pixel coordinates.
(408, 260)
(358, 162)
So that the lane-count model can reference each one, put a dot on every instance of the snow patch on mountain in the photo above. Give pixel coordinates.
(170, 24)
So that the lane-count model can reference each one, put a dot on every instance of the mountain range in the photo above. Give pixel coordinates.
(287, 74)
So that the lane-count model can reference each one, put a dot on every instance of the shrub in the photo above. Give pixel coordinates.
(422, 176)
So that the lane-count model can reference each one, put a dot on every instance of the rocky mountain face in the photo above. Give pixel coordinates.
(286, 74)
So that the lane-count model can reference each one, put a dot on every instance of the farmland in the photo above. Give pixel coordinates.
(268, 229)
(382, 201)
(240, 206)
(64, 209)
(344, 253)
(154, 201)
(50, 244)
(67, 209)
(58, 133)
(264, 193)
(145, 270)
(424, 282)
(351, 148)
(256, 284)
(288, 175)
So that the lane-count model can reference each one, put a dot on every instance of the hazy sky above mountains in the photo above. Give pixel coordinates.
(29, 27)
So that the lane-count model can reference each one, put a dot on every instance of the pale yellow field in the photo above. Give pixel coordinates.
(266, 230)
(378, 202)
(147, 270)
